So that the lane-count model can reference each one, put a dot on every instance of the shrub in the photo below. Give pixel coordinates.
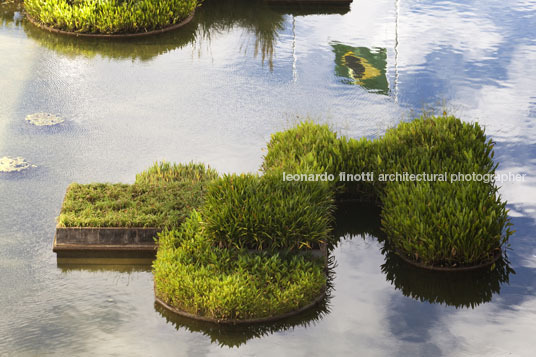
(469, 289)
(248, 211)
(194, 276)
(110, 16)
(162, 196)
(444, 223)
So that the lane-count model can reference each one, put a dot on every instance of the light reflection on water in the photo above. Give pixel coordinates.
(202, 94)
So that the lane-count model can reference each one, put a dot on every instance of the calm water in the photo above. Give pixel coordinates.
(213, 92)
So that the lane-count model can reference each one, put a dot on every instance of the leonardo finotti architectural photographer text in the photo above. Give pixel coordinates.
(406, 176)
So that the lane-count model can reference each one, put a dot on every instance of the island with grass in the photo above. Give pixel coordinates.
(109, 18)
(242, 248)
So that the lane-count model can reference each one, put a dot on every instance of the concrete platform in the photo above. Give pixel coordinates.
(105, 239)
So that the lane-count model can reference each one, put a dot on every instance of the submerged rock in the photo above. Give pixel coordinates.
(44, 119)
(14, 164)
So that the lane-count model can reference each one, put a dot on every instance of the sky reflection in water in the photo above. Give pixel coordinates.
(214, 92)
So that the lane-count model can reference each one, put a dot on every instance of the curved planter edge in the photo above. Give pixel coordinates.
(497, 256)
(238, 321)
(119, 35)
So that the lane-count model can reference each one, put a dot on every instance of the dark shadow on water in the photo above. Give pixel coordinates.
(122, 262)
(357, 219)
(458, 289)
(100, 266)
(237, 335)
(461, 290)
(10, 13)
(142, 49)
(212, 18)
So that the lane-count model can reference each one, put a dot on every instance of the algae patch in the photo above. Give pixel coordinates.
(43, 119)
(14, 164)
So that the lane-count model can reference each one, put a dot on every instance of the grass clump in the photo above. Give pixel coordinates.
(442, 223)
(436, 145)
(433, 222)
(194, 276)
(314, 148)
(445, 224)
(162, 197)
(248, 211)
(166, 172)
(109, 16)
(307, 148)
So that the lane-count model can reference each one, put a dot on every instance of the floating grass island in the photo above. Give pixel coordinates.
(196, 278)
(110, 17)
(240, 248)
(161, 197)
(443, 222)
(239, 258)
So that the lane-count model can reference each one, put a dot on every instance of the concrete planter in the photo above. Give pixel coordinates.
(105, 239)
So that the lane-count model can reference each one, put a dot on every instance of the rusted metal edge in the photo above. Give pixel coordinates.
(118, 35)
(497, 256)
(174, 310)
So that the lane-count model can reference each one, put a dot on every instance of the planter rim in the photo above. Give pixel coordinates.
(239, 321)
(112, 228)
(497, 256)
(101, 35)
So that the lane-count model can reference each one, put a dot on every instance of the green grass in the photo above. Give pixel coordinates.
(109, 16)
(163, 196)
(194, 276)
(445, 224)
(435, 223)
(436, 145)
(313, 148)
(442, 223)
(306, 148)
(248, 211)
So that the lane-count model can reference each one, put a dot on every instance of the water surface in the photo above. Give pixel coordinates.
(214, 91)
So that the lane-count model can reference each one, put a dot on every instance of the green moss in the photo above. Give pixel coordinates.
(193, 275)
(111, 16)
(162, 196)
(248, 211)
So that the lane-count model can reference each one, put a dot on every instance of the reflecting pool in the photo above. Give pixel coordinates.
(214, 91)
